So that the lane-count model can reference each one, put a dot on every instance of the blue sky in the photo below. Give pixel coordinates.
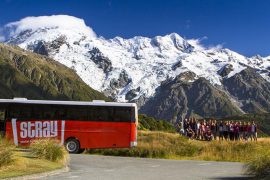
(240, 25)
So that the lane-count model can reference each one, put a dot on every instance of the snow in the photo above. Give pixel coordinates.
(54, 21)
(147, 61)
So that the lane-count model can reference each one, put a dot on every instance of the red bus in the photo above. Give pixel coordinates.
(76, 124)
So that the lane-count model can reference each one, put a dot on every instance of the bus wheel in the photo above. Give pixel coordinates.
(72, 146)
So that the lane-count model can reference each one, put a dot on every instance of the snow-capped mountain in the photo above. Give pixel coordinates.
(127, 69)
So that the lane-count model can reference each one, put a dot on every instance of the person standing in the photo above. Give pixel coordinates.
(185, 126)
(203, 130)
(231, 130)
(249, 131)
(198, 126)
(193, 125)
(241, 131)
(213, 127)
(220, 131)
(226, 127)
(237, 131)
(254, 131)
(245, 128)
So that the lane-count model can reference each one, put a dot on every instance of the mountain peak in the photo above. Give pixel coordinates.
(133, 67)
(44, 23)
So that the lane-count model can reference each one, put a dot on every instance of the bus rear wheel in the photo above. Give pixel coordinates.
(72, 146)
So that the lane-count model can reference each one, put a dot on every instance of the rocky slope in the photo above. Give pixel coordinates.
(25, 74)
(251, 90)
(175, 99)
(147, 70)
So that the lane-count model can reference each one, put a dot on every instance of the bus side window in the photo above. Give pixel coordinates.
(82, 114)
(14, 112)
(36, 113)
(72, 113)
(90, 116)
(47, 115)
(100, 114)
(122, 114)
(25, 112)
(61, 114)
(110, 114)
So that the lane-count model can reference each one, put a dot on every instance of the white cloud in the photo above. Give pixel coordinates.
(61, 21)
(216, 47)
(197, 43)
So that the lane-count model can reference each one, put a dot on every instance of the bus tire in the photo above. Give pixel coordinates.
(72, 145)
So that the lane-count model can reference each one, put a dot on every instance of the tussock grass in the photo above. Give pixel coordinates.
(174, 146)
(43, 155)
(154, 145)
(6, 152)
(25, 164)
(226, 151)
(259, 165)
(49, 149)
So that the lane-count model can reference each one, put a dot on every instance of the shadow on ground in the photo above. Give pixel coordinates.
(233, 178)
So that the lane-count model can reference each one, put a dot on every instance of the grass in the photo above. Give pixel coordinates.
(42, 156)
(174, 146)
(260, 165)
(49, 149)
(154, 145)
(6, 153)
(25, 164)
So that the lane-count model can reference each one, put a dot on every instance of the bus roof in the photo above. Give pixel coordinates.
(51, 102)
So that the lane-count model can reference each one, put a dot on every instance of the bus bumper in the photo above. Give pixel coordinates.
(133, 143)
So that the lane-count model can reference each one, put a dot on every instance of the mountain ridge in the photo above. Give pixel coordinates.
(132, 70)
(29, 75)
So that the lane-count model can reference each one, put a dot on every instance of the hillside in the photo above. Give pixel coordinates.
(178, 98)
(26, 74)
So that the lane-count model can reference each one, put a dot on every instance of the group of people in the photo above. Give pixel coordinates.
(222, 130)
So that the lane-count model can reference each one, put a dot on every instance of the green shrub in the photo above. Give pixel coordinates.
(152, 124)
(6, 152)
(259, 165)
(49, 149)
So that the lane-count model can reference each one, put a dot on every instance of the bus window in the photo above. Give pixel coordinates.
(99, 114)
(19, 112)
(14, 112)
(122, 114)
(61, 114)
(36, 113)
(82, 114)
(102, 114)
(25, 112)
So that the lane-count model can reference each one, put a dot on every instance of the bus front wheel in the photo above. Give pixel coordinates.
(72, 146)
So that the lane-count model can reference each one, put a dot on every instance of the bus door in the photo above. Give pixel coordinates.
(2, 122)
